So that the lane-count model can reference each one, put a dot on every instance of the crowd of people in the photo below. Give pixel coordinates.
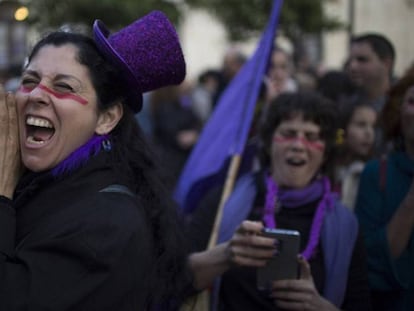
(88, 163)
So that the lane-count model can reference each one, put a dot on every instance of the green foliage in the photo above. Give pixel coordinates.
(242, 18)
(247, 17)
(114, 13)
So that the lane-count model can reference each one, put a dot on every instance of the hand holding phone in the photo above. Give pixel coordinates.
(284, 264)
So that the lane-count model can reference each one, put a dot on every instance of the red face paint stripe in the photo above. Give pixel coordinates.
(310, 144)
(77, 98)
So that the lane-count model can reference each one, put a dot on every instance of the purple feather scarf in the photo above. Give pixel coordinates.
(77, 158)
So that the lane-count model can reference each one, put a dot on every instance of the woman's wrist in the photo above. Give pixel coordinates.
(7, 188)
(207, 265)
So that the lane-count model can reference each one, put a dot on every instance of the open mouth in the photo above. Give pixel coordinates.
(39, 130)
(295, 162)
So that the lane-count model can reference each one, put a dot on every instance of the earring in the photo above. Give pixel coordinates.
(106, 144)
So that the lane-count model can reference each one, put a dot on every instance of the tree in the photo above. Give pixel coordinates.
(298, 19)
(115, 14)
(242, 19)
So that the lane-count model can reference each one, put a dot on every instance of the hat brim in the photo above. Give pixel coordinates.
(101, 34)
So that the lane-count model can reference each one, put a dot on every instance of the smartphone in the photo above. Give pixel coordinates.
(284, 264)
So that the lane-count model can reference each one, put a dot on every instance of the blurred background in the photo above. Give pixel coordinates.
(217, 37)
(315, 32)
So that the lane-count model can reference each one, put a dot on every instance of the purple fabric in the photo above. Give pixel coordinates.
(338, 249)
(271, 201)
(323, 206)
(148, 51)
(291, 198)
(226, 131)
(185, 101)
(80, 155)
(237, 207)
(338, 234)
(320, 188)
(294, 198)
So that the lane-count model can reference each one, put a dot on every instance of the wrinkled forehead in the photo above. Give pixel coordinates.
(68, 49)
(51, 60)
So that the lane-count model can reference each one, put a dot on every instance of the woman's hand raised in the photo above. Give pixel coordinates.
(10, 163)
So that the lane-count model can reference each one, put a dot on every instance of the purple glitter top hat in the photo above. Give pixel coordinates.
(148, 51)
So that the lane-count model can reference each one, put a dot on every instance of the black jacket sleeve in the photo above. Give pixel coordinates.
(94, 256)
(8, 227)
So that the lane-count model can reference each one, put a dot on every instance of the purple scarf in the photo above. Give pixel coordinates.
(78, 157)
(293, 198)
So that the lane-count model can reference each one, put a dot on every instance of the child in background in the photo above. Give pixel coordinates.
(356, 142)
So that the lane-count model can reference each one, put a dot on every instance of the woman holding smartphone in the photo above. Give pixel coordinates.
(293, 191)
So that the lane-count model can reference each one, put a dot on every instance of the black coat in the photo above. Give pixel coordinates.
(64, 245)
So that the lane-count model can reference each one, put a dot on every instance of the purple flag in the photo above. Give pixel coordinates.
(226, 131)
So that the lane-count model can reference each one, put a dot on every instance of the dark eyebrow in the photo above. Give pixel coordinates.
(32, 73)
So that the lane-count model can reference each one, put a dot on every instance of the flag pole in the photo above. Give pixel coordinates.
(228, 188)
(201, 302)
